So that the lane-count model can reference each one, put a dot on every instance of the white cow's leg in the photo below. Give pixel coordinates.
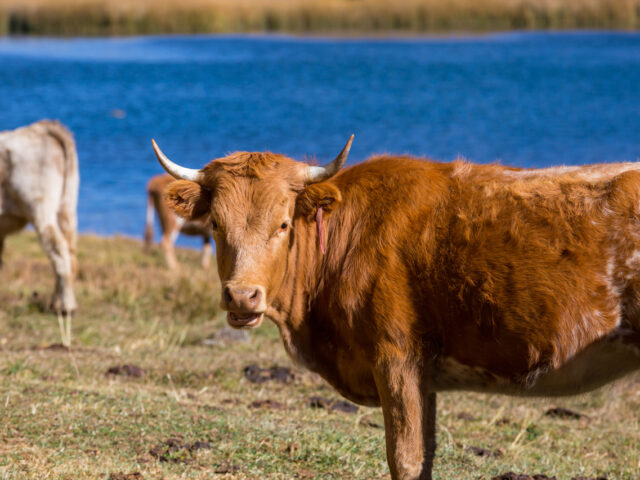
(409, 420)
(56, 248)
(68, 223)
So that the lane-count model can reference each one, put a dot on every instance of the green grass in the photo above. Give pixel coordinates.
(61, 417)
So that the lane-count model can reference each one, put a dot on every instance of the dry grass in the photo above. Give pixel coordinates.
(61, 417)
(117, 17)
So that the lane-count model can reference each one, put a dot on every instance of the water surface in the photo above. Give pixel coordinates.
(521, 99)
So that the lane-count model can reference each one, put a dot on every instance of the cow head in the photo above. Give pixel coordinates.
(250, 199)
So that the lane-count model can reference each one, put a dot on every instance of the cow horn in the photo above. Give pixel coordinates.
(318, 174)
(174, 169)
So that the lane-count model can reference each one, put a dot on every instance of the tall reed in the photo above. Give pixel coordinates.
(119, 17)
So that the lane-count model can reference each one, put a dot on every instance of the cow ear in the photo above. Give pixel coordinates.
(188, 199)
(323, 194)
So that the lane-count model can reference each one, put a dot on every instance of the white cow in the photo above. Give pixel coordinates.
(39, 184)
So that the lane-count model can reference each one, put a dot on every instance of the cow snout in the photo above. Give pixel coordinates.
(245, 298)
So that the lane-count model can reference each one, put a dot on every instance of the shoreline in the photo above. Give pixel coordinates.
(334, 36)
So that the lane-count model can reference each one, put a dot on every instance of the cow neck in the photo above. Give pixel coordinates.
(306, 267)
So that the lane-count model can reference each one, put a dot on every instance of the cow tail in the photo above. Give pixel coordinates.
(67, 213)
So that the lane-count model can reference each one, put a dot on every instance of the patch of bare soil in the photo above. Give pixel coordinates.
(466, 416)
(126, 476)
(483, 452)
(127, 370)
(256, 374)
(304, 473)
(56, 347)
(539, 476)
(226, 468)
(522, 476)
(175, 451)
(334, 405)
(267, 404)
(559, 412)
(227, 336)
(367, 422)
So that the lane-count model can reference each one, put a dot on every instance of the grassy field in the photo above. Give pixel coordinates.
(117, 17)
(192, 414)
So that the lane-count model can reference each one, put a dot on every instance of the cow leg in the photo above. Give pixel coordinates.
(68, 223)
(148, 227)
(169, 237)
(428, 433)
(409, 420)
(206, 252)
(56, 248)
(168, 250)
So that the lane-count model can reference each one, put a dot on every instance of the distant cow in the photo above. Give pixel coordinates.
(398, 278)
(171, 224)
(39, 185)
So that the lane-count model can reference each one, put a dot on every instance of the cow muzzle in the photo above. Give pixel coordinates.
(245, 305)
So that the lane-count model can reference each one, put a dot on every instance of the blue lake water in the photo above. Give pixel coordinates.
(532, 99)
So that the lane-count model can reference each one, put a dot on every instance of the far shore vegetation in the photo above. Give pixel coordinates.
(120, 17)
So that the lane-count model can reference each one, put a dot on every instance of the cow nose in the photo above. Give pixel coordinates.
(244, 299)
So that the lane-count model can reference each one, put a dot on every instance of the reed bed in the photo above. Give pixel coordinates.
(118, 17)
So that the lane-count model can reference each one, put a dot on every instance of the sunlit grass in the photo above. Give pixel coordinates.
(62, 417)
(117, 17)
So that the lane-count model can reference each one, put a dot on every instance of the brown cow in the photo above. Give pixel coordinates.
(436, 276)
(171, 224)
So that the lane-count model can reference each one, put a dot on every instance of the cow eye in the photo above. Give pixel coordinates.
(284, 226)
(214, 224)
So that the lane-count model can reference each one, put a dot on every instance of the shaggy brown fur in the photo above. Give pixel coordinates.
(436, 276)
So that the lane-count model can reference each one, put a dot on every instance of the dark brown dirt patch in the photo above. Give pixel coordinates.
(559, 412)
(56, 347)
(335, 405)
(127, 370)
(256, 374)
(466, 416)
(522, 476)
(226, 468)
(304, 473)
(483, 452)
(175, 451)
(267, 404)
(126, 476)
(367, 422)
